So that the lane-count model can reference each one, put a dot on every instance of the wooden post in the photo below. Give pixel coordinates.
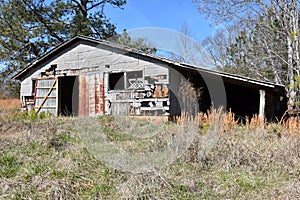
(105, 91)
(57, 95)
(262, 102)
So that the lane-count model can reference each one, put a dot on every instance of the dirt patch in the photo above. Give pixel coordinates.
(8, 135)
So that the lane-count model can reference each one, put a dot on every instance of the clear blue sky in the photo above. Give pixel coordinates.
(170, 14)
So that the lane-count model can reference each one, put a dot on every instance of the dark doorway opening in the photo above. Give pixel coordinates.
(68, 96)
(116, 81)
(242, 101)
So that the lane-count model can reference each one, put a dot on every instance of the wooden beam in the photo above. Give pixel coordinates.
(262, 102)
(42, 97)
(57, 93)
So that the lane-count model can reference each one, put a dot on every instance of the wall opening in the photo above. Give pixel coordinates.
(68, 96)
(242, 101)
(135, 80)
(116, 81)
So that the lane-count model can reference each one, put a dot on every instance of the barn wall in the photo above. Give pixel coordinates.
(240, 97)
(94, 68)
(90, 65)
(97, 98)
(201, 101)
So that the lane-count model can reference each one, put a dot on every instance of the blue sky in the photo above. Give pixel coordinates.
(170, 14)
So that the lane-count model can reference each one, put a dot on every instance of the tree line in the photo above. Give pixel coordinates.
(259, 39)
(30, 28)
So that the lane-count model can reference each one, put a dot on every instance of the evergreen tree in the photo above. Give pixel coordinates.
(30, 28)
(139, 44)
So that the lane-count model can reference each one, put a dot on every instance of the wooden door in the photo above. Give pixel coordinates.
(46, 95)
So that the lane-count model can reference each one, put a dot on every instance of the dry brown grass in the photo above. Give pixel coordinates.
(230, 121)
(9, 103)
(230, 124)
(256, 122)
(154, 119)
(226, 122)
(292, 127)
(47, 160)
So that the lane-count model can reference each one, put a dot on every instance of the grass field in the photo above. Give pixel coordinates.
(43, 157)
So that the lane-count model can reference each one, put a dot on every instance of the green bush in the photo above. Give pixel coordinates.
(31, 116)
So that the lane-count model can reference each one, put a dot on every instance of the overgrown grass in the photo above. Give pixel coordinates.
(9, 165)
(9, 103)
(43, 157)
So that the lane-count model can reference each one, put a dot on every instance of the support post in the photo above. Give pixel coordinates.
(262, 102)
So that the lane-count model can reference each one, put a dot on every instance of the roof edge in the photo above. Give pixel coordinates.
(20, 74)
(55, 49)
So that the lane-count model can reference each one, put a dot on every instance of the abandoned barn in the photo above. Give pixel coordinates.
(90, 77)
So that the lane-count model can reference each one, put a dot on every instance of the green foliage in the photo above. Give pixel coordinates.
(243, 164)
(249, 56)
(255, 45)
(61, 140)
(204, 127)
(31, 116)
(31, 28)
(115, 135)
(139, 43)
(297, 82)
(9, 165)
(297, 87)
(38, 168)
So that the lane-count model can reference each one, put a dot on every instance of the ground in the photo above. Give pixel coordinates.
(44, 157)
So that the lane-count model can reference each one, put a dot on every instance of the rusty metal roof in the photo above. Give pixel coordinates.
(21, 73)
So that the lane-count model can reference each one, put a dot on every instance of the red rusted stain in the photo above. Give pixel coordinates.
(165, 91)
(102, 100)
(83, 109)
(157, 92)
(96, 96)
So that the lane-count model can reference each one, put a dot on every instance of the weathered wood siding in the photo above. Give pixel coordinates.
(46, 96)
(92, 65)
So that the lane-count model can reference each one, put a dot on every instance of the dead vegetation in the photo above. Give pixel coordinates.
(9, 103)
(45, 158)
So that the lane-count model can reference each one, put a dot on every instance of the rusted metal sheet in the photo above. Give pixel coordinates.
(83, 109)
(98, 96)
(102, 97)
(91, 95)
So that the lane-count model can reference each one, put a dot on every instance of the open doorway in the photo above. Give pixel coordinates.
(68, 96)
